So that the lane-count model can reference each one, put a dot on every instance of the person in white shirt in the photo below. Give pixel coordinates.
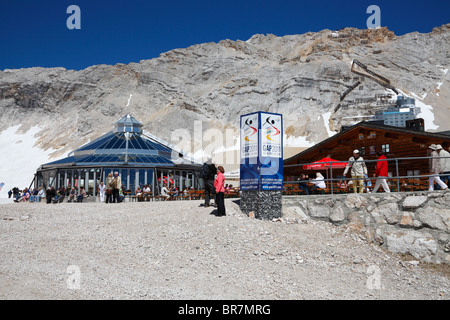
(358, 170)
(147, 192)
(102, 191)
(165, 192)
(318, 182)
(445, 163)
(435, 169)
(41, 194)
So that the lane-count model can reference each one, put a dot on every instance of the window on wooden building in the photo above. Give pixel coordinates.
(385, 148)
(411, 173)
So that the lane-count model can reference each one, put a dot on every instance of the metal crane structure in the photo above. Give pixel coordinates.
(361, 69)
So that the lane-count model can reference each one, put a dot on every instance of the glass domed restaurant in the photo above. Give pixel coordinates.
(139, 157)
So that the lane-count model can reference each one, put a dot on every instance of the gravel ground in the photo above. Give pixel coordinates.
(179, 250)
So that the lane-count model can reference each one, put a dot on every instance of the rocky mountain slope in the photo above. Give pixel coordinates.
(300, 76)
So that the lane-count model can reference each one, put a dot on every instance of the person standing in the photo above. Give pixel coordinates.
(444, 162)
(117, 183)
(219, 185)
(381, 173)
(102, 191)
(435, 169)
(358, 170)
(108, 187)
(208, 174)
(16, 194)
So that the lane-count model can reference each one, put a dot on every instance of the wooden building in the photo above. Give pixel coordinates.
(369, 137)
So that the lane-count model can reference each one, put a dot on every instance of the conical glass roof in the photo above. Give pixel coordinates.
(118, 141)
(126, 144)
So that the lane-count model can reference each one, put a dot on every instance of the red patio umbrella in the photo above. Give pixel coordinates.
(165, 180)
(323, 164)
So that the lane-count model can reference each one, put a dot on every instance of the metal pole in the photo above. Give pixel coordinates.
(398, 180)
(331, 176)
(153, 183)
(126, 146)
(94, 182)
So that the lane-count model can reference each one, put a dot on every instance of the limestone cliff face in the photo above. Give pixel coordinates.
(300, 76)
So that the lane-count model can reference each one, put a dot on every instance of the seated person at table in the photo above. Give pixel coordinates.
(82, 195)
(342, 183)
(318, 182)
(24, 197)
(121, 194)
(404, 184)
(302, 184)
(138, 193)
(174, 192)
(50, 194)
(165, 192)
(186, 193)
(72, 194)
(40, 194)
(146, 192)
(59, 197)
(367, 183)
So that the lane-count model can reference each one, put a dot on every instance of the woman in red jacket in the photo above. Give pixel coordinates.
(219, 185)
(381, 173)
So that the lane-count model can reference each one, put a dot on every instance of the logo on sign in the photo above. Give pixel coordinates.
(271, 138)
(249, 134)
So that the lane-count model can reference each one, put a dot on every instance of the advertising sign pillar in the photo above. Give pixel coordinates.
(261, 171)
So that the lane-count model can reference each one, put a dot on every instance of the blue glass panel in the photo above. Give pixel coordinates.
(98, 142)
(133, 181)
(141, 181)
(133, 144)
(124, 177)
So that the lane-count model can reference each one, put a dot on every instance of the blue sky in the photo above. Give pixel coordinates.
(34, 33)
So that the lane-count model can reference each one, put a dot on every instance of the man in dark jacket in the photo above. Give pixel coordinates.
(16, 194)
(50, 194)
(208, 174)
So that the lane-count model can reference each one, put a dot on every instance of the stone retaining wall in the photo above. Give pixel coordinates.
(407, 223)
(265, 205)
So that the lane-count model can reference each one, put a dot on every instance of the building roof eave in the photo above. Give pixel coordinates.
(368, 125)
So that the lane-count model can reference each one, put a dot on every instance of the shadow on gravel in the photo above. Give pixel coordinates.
(215, 212)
